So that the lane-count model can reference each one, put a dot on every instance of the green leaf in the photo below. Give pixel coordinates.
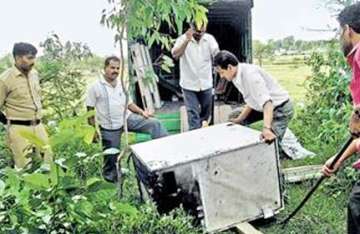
(124, 208)
(165, 68)
(89, 133)
(2, 187)
(37, 180)
(33, 138)
(92, 181)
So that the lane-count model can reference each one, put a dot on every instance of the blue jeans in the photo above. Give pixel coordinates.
(198, 106)
(112, 138)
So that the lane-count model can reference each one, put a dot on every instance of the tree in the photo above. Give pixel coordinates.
(262, 50)
(62, 80)
(134, 19)
(288, 43)
(5, 62)
(336, 6)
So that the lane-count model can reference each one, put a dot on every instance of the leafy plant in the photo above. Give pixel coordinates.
(62, 77)
(328, 104)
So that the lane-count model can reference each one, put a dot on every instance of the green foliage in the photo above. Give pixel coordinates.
(62, 79)
(143, 19)
(328, 106)
(262, 51)
(5, 62)
(71, 197)
(336, 6)
(5, 158)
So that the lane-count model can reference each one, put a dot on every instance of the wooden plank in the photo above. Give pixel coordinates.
(297, 174)
(154, 88)
(246, 228)
(141, 63)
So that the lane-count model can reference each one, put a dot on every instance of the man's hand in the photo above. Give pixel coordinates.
(189, 34)
(236, 120)
(146, 114)
(268, 135)
(355, 123)
(326, 168)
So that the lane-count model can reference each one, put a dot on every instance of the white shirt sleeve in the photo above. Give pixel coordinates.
(179, 41)
(91, 97)
(214, 46)
(258, 90)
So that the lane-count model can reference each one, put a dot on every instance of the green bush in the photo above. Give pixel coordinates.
(5, 62)
(71, 197)
(328, 106)
(62, 77)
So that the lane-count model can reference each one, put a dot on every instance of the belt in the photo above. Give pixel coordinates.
(282, 104)
(25, 122)
(109, 130)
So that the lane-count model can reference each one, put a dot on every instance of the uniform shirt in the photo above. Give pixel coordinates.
(354, 61)
(20, 95)
(257, 87)
(196, 62)
(109, 103)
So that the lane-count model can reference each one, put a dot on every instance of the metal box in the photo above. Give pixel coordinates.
(222, 174)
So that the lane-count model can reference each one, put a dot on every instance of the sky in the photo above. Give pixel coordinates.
(79, 21)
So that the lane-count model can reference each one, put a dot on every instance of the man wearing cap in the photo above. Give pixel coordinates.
(21, 101)
(196, 49)
(106, 96)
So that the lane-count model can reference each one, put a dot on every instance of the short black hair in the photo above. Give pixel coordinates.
(111, 58)
(350, 16)
(23, 48)
(225, 58)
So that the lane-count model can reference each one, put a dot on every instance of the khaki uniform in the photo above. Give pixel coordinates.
(20, 98)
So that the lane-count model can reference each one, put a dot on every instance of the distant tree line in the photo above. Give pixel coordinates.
(287, 46)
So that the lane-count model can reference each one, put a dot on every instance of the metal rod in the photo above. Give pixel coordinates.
(312, 190)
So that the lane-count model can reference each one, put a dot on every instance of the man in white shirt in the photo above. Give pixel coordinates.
(196, 49)
(265, 99)
(107, 98)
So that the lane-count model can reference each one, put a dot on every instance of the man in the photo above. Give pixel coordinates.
(264, 98)
(107, 97)
(21, 101)
(349, 20)
(195, 49)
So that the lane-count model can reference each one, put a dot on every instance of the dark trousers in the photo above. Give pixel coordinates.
(353, 219)
(111, 139)
(198, 106)
(281, 118)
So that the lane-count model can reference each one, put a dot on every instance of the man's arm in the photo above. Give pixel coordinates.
(267, 132)
(268, 114)
(243, 115)
(137, 110)
(352, 148)
(179, 50)
(261, 94)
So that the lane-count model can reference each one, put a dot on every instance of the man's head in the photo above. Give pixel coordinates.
(112, 67)
(199, 31)
(24, 56)
(225, 64)
(349, 19)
